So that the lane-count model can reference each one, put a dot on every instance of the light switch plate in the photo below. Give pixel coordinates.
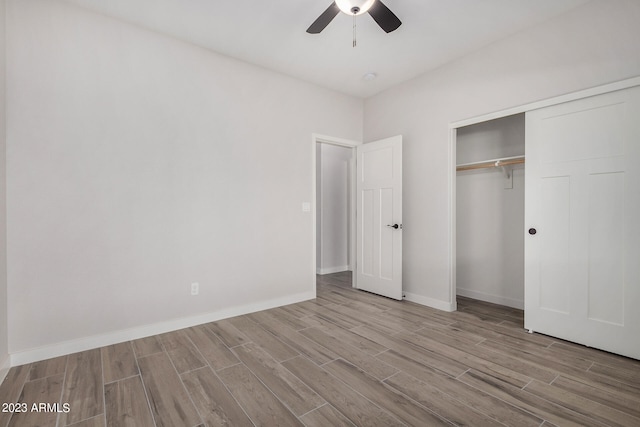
(306, 207)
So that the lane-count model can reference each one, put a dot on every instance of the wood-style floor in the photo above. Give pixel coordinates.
(346, 358)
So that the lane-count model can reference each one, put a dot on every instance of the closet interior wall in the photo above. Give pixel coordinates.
(490, 213)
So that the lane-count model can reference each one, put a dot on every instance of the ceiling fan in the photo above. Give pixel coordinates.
(380, 13)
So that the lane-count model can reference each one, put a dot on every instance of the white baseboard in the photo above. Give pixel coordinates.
(96, 341)
(330, 270)
(430, 302)
(495, 299)
(5, 365)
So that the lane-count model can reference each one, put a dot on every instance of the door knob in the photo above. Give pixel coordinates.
(532, 231)
(396, 226)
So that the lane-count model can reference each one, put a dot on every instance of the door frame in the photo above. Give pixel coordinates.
(453, 127)
(341, 142)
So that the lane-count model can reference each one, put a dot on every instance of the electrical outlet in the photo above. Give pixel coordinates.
(195, 288)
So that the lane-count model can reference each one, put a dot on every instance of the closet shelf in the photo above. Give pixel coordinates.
(493, 163)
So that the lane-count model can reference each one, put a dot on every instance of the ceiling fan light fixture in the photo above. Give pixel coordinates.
(355, 7)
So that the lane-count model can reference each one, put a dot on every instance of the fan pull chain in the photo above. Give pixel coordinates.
(354, 30)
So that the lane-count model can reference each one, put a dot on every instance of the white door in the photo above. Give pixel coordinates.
(379, 217)
(582, 214)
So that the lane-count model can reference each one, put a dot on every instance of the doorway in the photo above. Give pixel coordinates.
(490, 211)
(332, 208)
(334, 215)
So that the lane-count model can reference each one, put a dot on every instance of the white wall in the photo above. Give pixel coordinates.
(333, 200)
(490, 217)
(137, 164)
(4, 350)
(589, 46)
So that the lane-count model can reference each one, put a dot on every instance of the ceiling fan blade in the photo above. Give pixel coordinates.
(387, 20)
(324, 19)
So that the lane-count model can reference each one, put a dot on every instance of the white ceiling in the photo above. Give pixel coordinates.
(272, 34)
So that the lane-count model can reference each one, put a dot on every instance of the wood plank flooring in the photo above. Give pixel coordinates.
(346, 358)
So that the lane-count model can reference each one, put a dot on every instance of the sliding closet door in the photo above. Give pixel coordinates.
(582, 215)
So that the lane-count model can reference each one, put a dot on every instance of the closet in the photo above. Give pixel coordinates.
(560, 237)
(490, 211)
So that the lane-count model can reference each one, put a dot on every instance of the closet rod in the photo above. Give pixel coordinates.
(496, 163)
